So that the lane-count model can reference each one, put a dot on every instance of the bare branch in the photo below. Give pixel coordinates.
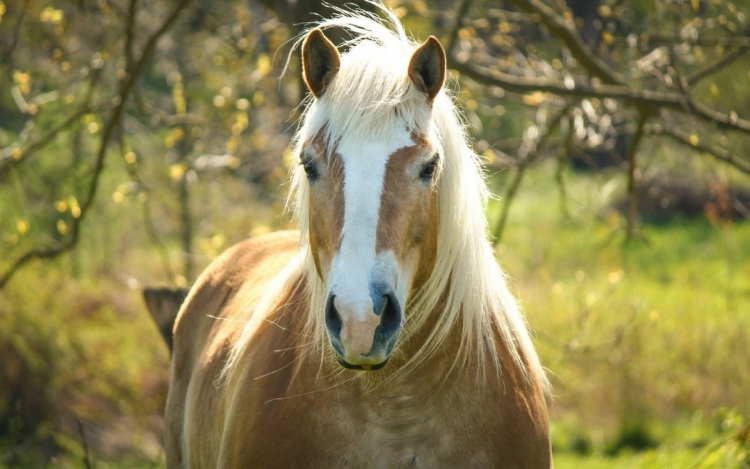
(109, 129)
(8, 161)
(130, 35)
(510, 193)
(148, 224)
(638, 97)
(84, 444)
(721, 63)
(565, 30)
(9, 158)
(8, 54)
(643, 116)
(562, 163)
(528, 156)
(693, 141)
(461, 11)
(661, 38)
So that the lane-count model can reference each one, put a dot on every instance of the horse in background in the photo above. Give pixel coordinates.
(383, 333)
(163, 304)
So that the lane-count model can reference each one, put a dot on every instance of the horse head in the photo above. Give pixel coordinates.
(372, 171)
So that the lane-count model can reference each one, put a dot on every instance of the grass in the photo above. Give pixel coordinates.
(646, 344)
(638, 339)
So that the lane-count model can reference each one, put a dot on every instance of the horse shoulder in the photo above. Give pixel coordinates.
(208, 322)
(522, 412)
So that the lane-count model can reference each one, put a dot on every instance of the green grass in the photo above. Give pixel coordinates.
(638, 339)
(646, 345)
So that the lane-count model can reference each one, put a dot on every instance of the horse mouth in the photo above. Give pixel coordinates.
(349, 366)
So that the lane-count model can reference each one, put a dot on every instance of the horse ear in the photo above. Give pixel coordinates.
(427, 67)
(320, 61)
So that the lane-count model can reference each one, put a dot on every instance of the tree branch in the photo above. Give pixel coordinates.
(723, 62)
(640, 98)
(8, 54)
(643, 116)
(524, 161)
(565, 30)
(461, 11)
(693, 141)
(112, 124)
(9, 161)
(130, 34)
(660, 38)
(562, 163)
(148, 224)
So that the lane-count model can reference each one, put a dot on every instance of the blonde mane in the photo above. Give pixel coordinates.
(467, 288)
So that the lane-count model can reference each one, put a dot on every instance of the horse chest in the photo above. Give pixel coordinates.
(398, 431)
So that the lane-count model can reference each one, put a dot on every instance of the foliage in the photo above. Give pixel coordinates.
(642, 343)
(79, 358)
(164, 125)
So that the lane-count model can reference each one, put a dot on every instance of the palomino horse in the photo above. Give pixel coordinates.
(383, 336)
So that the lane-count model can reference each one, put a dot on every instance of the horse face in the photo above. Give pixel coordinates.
(372, 219)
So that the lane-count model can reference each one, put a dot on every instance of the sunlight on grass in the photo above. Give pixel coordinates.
(633, 336)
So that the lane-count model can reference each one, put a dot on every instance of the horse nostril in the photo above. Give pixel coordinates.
(390, 315)
(333, 318)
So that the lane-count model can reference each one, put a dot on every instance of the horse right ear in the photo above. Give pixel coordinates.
(320, 62)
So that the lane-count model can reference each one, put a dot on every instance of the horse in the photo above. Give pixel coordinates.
(382, 333)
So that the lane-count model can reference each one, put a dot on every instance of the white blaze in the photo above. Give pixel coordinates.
(364, 175)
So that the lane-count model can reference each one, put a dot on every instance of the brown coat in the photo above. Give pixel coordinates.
(282, 408)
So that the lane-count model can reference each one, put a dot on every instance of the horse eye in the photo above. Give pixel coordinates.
(310, 169)
(428, 171)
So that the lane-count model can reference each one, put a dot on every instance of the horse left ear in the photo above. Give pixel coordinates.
(427, 67)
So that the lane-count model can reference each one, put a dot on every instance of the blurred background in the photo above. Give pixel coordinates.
(141, 138)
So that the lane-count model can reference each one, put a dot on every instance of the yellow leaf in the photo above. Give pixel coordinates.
(75, 209)
(616, 276)
(177, 171)
(62, 227)
(61, 206)
(264, 64)
(533, 99)
(22, 226)
(490, 156)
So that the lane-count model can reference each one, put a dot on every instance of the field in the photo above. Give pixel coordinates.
(646, 344)
(642, 341)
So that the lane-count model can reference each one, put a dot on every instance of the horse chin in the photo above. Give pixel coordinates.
(349, 366)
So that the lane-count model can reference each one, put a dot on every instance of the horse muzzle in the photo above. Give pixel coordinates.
(364, 335)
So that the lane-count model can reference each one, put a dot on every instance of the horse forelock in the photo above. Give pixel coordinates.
(370, 96)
